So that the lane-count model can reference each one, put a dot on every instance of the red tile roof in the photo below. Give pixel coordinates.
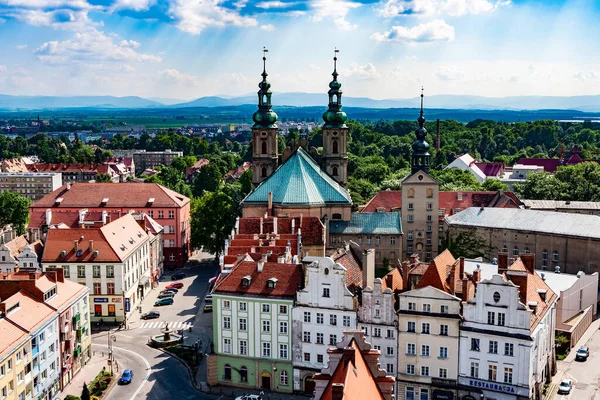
(11, 335)
(289, 278)
(311, 228)
(491, 168)
(31, 313)
(194, 168)
(390, 200)
(354, 275)
(437, 273)
(16, 246)
(86, 168)
(393, 280)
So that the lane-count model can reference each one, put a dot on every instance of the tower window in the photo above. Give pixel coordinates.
(334, 147)
(263, 147)
(263, 173)
(335, 98)
(334, 171)
(264, 99)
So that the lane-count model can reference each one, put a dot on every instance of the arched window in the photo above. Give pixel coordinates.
(504, 248)
(334, 171)
(555, 256)
(334, 147)
(263, 147)
(336, 216)
(515, 251)
(264, 99)
(335, 98)
(411, 192)
(283, 378)
(263, 172)
(243, 374)
(227, 375)
(544, 258)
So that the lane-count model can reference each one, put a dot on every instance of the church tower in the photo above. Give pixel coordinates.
(335, 132)
(420, 156)
(264, 132)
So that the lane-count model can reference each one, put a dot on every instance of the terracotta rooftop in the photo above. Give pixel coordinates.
(311, 228)
(389, 200)
(289, 278)
(393, 280)
(85, 168)
(437, 272)
(11, 335)
(16, 245)
(120, 195)
(354, 275)
(30, 313)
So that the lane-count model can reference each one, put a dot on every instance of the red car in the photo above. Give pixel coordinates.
(176, 285)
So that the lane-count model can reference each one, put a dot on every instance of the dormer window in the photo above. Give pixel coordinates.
(533, 305)
(246, 281)
(50, 293)
(271, 283)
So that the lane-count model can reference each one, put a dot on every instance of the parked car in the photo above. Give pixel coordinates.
(126, 377)
(165, 295)
(208, 299)
(565, 387)
(176, 285)
(173, 291)
(177, 276)
(582, 354)
(164, 302)
(151, 315)
(207, 308)
(248, 397)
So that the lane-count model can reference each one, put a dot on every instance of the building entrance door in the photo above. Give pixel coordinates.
(266, 381)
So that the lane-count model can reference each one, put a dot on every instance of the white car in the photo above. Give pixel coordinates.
(565, 387)
(248, 397)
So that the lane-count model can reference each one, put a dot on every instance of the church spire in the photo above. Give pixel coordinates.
(264, 117)
(420, 156)
(334, 117)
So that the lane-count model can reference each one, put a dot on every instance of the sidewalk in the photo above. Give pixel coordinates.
(87, 374)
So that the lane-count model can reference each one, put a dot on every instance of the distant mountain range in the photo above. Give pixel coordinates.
(513, 103)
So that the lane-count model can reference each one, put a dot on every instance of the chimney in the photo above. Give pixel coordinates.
(477, 275)
(502, 262)
(75, 245)
(261, 226)
(404, 270)
(337, 391)
(281, 259)
(414, 258)
(368, 267)
(262, 262)
(327, 230)
(69, 186)
(467, 289)
(275, 225)
(104, 215)
(529, 262)
(91, 246)
(48, 216)
(462, 267)
(437, 140)
(294, 225)
(454, 277)
(270, 203)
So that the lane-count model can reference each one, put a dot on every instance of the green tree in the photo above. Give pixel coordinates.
(453, 179)
(103, 178)
(245, 181)
(541, 186)
(85, 393)
(493, 185)
(208, 179)
(466, 244)
(181, 163)
(14, 209)
(213, 217)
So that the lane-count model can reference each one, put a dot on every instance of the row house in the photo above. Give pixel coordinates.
(19, 254)
(81, 205)
(252, 325)
(113, 261)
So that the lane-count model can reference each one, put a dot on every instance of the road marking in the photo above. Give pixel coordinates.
(148, 368)
(571, 376)
(161, 324)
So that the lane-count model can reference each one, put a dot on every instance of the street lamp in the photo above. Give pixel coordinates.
(111, 338)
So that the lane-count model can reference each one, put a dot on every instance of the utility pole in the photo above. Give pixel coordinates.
(111, 338)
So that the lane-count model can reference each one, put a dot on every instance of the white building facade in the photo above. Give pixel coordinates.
(378, 319)
(325, 308)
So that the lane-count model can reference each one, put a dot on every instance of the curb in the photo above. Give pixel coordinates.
(187, 367)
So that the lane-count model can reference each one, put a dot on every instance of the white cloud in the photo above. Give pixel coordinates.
(393, 8)
(448, 74)
(336, 10)
(193, 16)
(177, 77)
(50, 4)
(3, 68)
(275, 4)
(434, 31)
(92, 46)
(21, 46)
(588, 76)
(366, 71)
(268, 27)
(136, 5)
(58, 19)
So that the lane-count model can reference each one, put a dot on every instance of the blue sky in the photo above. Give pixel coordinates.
(187, 49)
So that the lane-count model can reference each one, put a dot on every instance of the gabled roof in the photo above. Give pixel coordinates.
(11, 335)
(375, 223)
(120, 195)
(299, 181)
(289, 278)
(387, 200)
(31, 313)
(437, 273)
(347, 259)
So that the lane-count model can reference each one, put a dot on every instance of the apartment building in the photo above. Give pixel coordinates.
(87, 204)
(113, 261)
(151, 159)
(33, 185)
(78, 172)
(14, 346)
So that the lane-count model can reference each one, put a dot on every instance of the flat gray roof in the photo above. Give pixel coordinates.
(553, 204)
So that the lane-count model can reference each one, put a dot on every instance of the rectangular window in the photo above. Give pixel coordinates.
(411, 349)
(332, 319)
(474, 344)
(426, 307)
(443, 330)
(410, 218)
(226, 304)
(444, 309)
(410, 369)
(409, 236)
(412, 306)
(283, 328)
(346, 321)
(377, 332)
(509, 349)
(171, 214)
(424, 372)
(320, 338)
(110, 288)
(266, 308)
(390, 369)
(410, 392)
(493, 347)
(474, 369)
(443, 352)
(425, 327)
(320, 358)
(97, 310)
(320, 318)
(306, 357)
(369, 239)
(389, 351)
(97, 288)
(424, 394)
(96, 271)
(243, 306)
(66, 271)
(508, 375)
(242, 324)
(283, 351)
(306, 316)
(393, 240)
(425, 350)
(325, 292)
(443, 373)
(226, 345)
(226, 322)
(411, 206)
(492, 372)
(429, 218)
(306, 337)
(161, 214)
(81, 271)
(491, 317)
(377, 240)
(332, 340)
(243, 347)
(501, 319)
(266, 326)
(390, 334)
(266, 349)
(111, 310)
(283, 309)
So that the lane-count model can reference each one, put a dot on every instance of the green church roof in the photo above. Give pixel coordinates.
(299, 181)
(375, 223)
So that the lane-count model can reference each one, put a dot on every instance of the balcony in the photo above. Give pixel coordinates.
(77, 352)
(28, 378)
(64, 328)
(34, 351)
(76, 319)
(36, 369)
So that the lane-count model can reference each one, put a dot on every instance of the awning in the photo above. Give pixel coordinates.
(144, 280)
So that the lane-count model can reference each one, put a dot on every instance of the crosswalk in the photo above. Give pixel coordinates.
(161, 324)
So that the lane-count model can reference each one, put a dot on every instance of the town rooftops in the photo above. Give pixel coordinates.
(11, 334)
(311, 228)
(245, 279)
(119, 195)
(553, 223)
(27, 312)
(375, 223)
(299, 181)
(552, 164)
(561, 204)
(385, 200)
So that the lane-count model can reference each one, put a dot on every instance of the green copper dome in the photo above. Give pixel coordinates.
(335, 117)
(264, 117)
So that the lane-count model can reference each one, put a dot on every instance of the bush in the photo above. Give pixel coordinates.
(71, 397)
